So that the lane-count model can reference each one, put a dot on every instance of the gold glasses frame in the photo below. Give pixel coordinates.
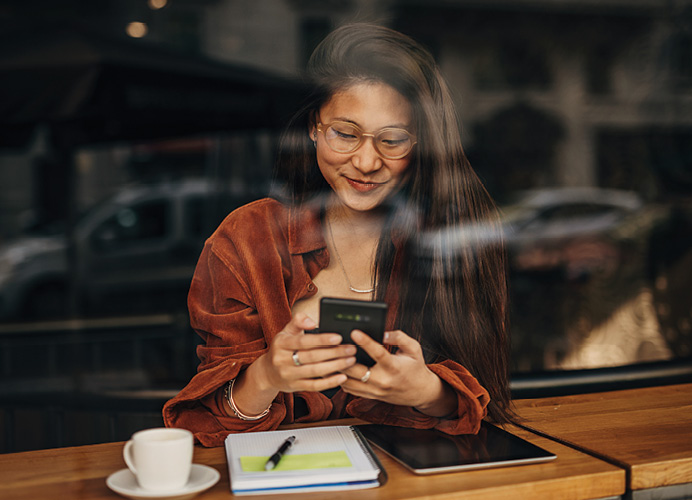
(373, 136)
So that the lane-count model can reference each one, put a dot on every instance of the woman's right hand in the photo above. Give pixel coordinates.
(322, 359)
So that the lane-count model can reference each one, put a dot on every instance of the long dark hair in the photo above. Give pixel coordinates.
(451, 277)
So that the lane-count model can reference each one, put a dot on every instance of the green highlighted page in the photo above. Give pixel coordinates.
(327, 460)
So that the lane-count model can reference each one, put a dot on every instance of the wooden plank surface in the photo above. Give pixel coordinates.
(647, 431)
(81, 472)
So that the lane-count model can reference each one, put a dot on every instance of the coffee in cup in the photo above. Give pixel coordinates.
(160, 458)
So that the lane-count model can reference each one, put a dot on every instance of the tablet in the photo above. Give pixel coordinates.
(431, 452)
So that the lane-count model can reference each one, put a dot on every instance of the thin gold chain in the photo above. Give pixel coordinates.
(341, 264)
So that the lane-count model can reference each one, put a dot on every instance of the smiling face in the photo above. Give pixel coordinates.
(362, 179)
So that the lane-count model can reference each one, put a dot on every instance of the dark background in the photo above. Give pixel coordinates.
(120, 154)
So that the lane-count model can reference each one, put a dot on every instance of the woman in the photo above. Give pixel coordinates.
(379, 193)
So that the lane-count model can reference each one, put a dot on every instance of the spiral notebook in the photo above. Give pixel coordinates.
(321, 459)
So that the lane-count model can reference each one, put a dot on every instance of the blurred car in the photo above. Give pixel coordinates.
(575, 228)
(134, 252)
(542, 218)
(562, 212)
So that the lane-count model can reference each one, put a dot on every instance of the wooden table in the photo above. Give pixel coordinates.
(81, 472)
(646, 431)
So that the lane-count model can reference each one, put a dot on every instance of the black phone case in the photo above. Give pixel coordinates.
(345, 315)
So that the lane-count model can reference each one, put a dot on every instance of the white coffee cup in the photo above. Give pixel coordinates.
(161, 458)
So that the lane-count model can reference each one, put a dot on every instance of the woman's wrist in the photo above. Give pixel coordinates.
(251, 394)
(442, 400)
(234, 408)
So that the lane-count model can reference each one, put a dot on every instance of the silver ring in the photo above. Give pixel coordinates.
(296, 361)
(365, 377)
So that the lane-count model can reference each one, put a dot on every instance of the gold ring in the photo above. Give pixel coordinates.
(365, 377)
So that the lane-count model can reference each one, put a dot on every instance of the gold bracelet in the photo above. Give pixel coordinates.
(234, 408)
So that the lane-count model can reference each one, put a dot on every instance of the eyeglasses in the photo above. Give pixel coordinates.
(345, 137)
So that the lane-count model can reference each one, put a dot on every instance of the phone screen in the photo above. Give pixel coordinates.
(342, 316)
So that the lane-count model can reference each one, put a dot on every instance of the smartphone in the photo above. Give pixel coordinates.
(342, 316)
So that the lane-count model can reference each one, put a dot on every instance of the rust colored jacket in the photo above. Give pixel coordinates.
(255, 266)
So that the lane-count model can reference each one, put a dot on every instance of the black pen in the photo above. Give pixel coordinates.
(274, 459)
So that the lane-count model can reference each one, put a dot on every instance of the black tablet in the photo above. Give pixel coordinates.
(432, 452)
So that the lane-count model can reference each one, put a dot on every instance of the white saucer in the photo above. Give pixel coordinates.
(202, 477)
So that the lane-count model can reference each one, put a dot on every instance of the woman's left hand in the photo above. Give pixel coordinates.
(401, 378)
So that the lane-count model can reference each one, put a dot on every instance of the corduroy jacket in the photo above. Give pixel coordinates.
(257, 264)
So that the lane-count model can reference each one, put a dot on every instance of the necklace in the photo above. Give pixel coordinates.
(341, 264)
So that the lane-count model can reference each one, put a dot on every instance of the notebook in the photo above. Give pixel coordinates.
(321, 459)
